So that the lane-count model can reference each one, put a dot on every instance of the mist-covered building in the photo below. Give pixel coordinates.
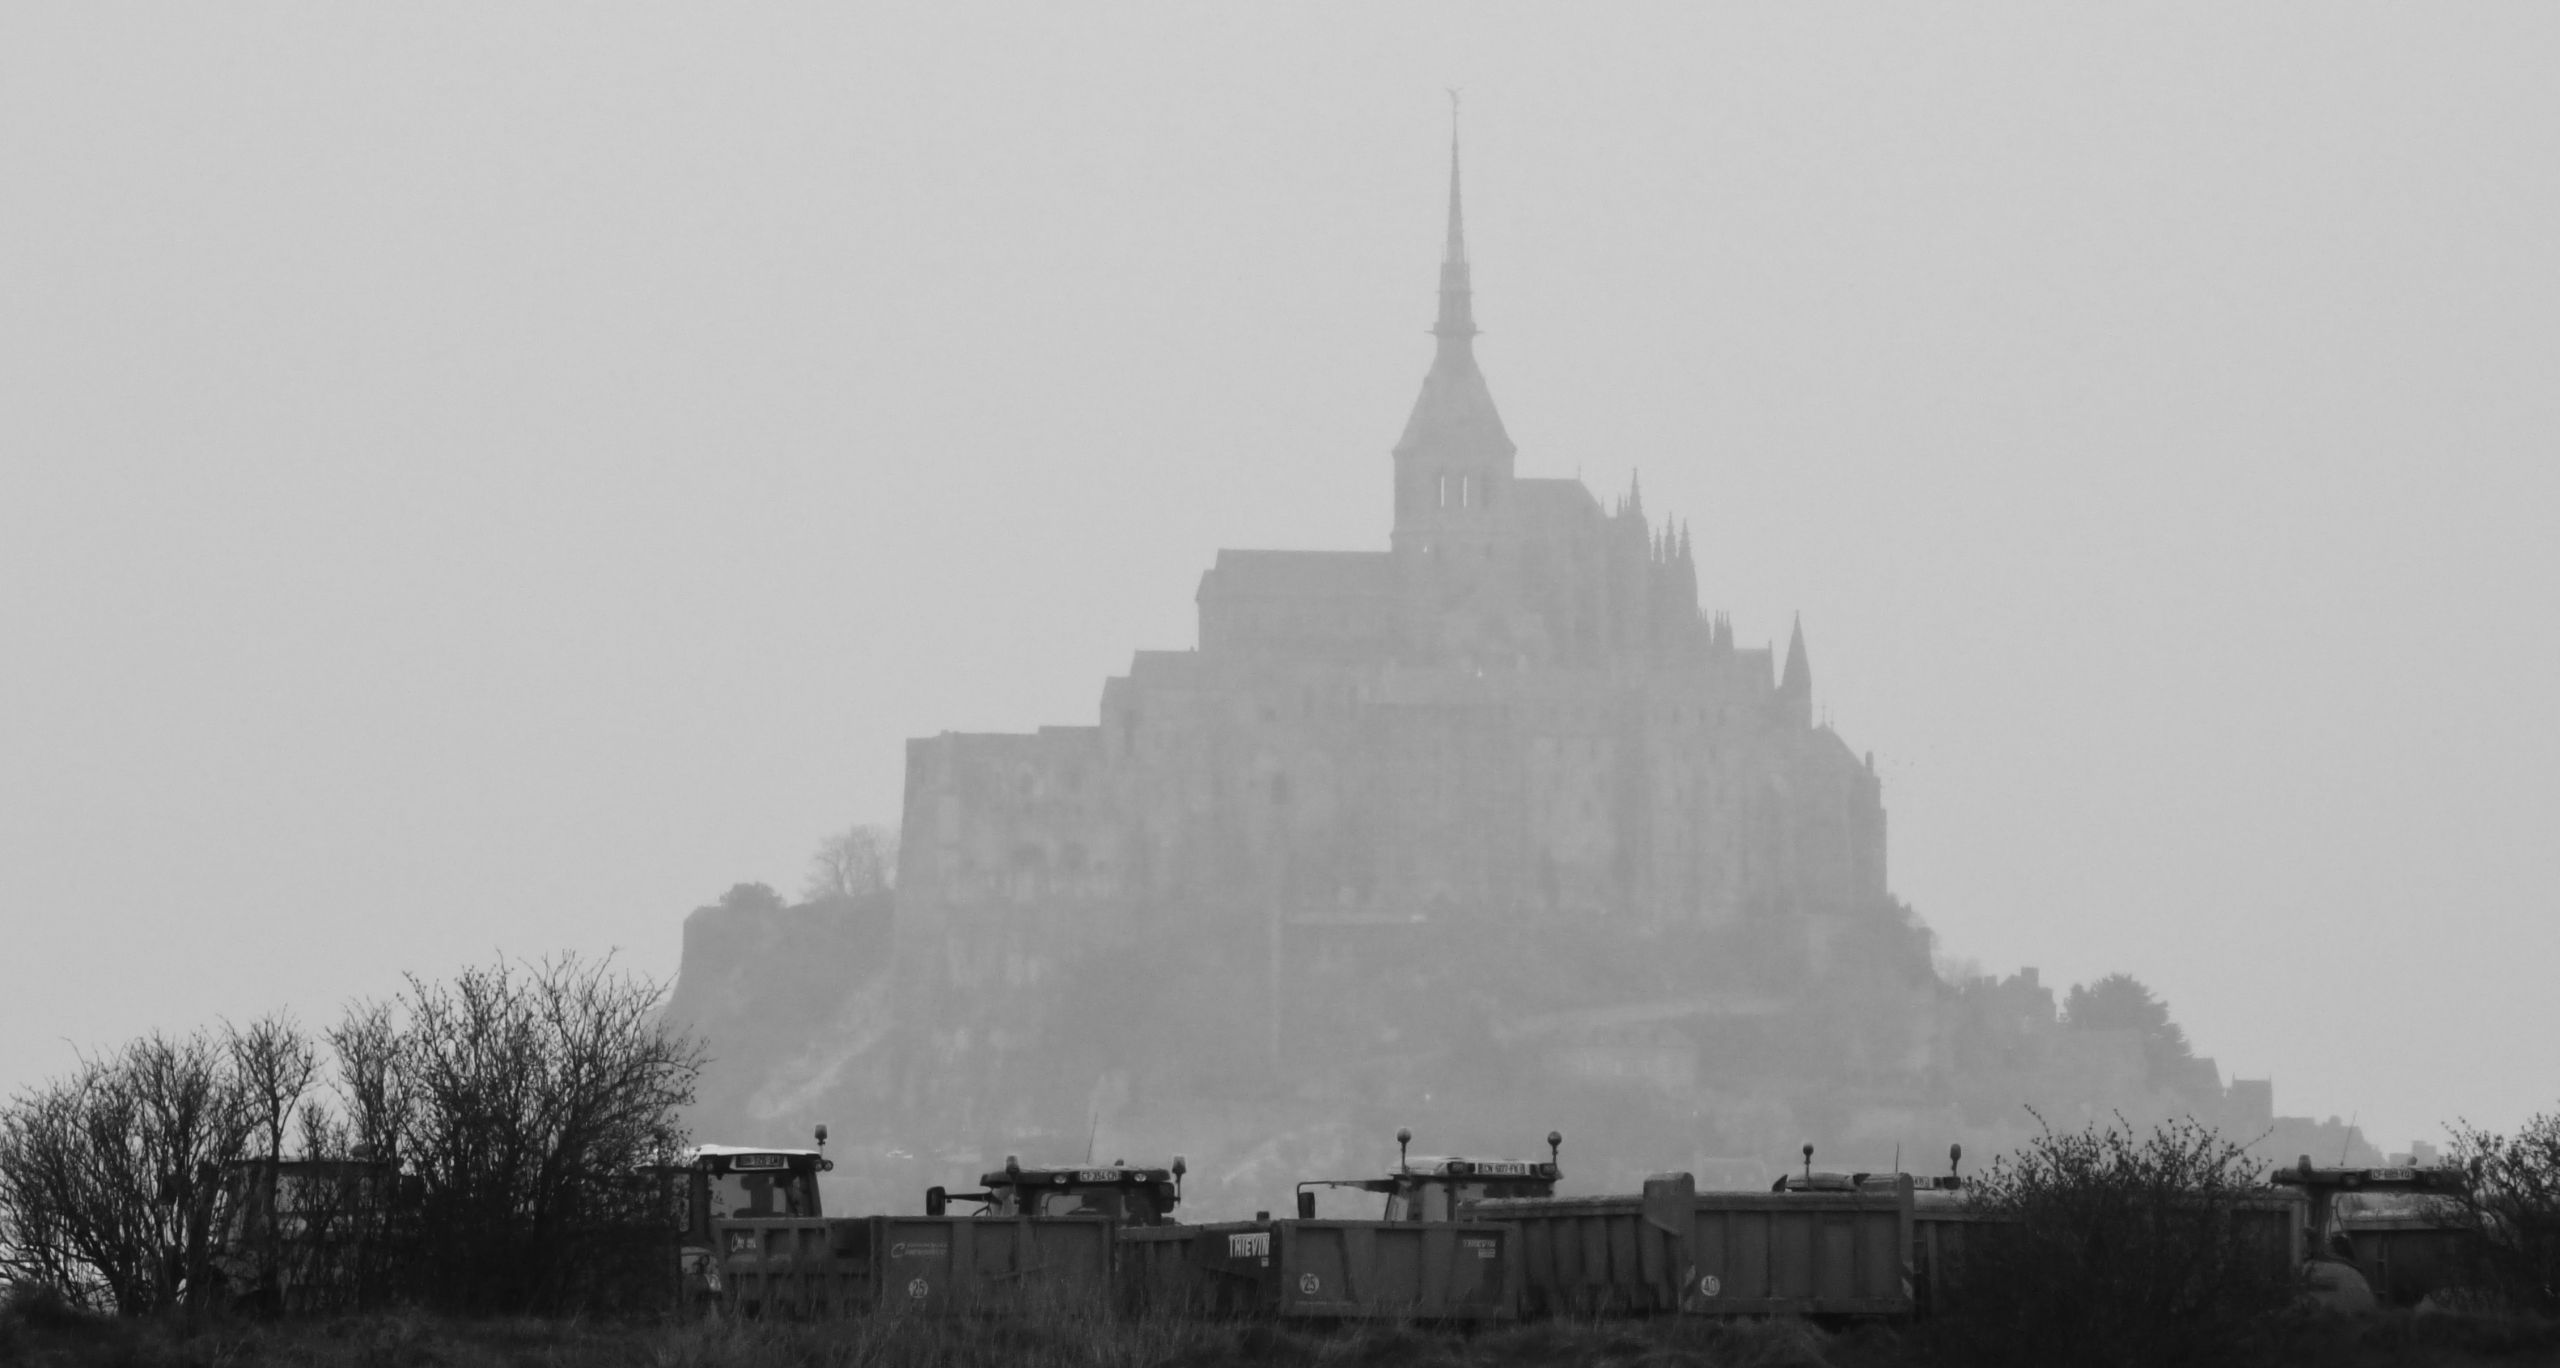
(1489, 830)
(1515, 716)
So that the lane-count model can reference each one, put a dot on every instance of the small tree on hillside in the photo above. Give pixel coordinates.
(2120, 1002)
(750, 897)
(854, 863)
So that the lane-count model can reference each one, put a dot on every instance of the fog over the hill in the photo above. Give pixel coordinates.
(494, 478)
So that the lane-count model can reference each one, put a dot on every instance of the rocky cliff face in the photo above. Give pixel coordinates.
(789, 1001)
(1650, 1051)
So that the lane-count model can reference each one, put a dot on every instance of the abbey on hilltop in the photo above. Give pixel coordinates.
(1515, 711)
(1488, 831)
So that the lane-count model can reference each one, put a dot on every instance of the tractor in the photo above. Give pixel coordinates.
(1435, 1188)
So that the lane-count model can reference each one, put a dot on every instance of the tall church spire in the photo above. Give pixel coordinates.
(1453, 463)
(1456, 327)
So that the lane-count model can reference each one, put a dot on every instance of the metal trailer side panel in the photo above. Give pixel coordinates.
(1799, 1254)
(960, 1264)
(1331, 1270)
(1714, 1253)
(800, 1268)
(1364, 1270)
(1216, 1270)
(1567, 1262)
(1184, 1271)
(811, 1268)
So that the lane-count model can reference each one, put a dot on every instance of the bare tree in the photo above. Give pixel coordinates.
(539, 1092)
(374, 1095)
(487, 1150)
(42, 1187)
(109, 1179)
(853, 863)
(274, 1063)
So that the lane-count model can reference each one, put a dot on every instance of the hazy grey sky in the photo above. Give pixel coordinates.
(488, 477)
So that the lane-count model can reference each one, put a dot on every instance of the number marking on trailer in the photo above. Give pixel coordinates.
(918, 1290)
(1307, 1284)
(1710, 1285)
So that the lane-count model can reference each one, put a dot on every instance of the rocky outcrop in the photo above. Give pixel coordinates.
(788, 1000)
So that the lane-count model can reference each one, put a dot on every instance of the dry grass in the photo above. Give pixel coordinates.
(49, 1339)
(34, 1336)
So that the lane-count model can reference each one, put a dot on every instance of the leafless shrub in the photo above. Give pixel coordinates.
(527, 1100)
(109, 1178)
(484, 1151)
(2513, 1204)
(2107, 1247)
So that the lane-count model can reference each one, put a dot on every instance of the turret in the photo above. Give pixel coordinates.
(1795, 682)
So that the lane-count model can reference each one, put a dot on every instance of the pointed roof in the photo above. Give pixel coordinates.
(1457, 247)
(1797, 678)
(1455, 410)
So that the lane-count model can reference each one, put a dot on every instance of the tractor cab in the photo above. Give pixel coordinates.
(709, 1183)
(1436, 1188)
(2334, 1193)
(1130, 1196)
(1820, 1180)
(726, 1182)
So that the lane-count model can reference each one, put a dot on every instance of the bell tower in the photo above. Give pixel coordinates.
(1453, 464)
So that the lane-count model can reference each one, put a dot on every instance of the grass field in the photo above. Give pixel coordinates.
(419, 1340)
